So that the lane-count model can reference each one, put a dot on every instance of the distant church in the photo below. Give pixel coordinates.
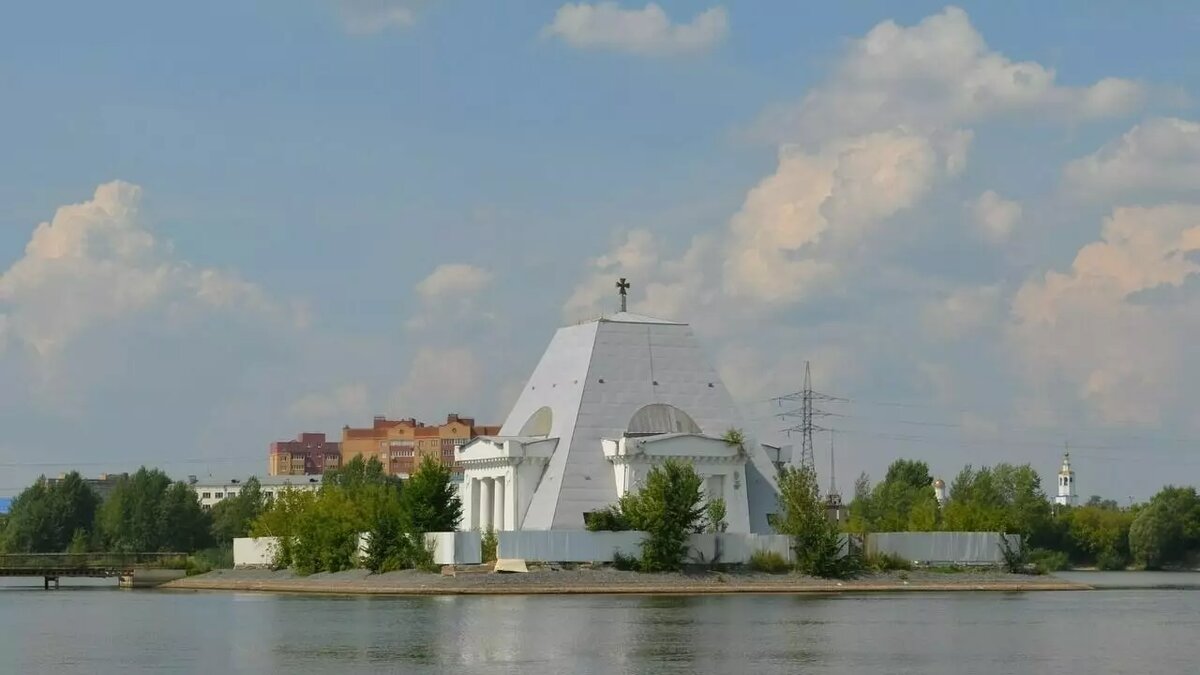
(1066, 484)
(610, 399)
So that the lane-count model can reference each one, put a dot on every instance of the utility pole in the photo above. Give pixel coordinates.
(807, 412)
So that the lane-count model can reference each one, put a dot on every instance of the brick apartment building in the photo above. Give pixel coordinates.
(401, 444)
(309, 455)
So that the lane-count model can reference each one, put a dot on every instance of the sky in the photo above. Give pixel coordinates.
(225, 223)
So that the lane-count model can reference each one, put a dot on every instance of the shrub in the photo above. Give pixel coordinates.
(1111, 561)
(626, 563)
(490, 544)
(715, 514)
(607, 519)
(816, 540)
(1049, 561)
(887, 562)
(769, 562)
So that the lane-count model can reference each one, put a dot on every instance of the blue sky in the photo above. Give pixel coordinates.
(334, 208)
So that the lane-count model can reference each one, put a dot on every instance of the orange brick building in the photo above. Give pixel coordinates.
(401, 444)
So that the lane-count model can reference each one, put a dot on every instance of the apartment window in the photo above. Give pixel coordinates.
(206, 495)
(219, 495)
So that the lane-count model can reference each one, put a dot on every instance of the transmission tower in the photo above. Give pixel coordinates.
(807, 412)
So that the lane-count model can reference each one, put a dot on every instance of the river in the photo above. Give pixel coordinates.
(99, 629)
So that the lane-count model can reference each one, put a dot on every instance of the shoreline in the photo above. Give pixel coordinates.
(607, 582)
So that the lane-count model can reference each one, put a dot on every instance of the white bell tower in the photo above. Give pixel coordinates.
(1066, 483)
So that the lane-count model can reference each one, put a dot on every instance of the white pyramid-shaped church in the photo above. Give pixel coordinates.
(610, 399)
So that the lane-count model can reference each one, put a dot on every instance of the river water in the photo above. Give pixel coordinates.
(99, 629)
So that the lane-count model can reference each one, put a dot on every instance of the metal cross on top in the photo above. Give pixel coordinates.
(622, 289)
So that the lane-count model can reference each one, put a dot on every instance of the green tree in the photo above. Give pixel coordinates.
(714, 514)
(1167, 530)
(233, 517)
(1004, 498)
(815, 540)
(429, 500)
(149, 512)
(668, 507)
(1098, 534)
(44, 518)
(890, 505)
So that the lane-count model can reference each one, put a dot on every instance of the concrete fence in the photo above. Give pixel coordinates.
(584, 546)
(464, 548)
(942, 548)
(449, 548)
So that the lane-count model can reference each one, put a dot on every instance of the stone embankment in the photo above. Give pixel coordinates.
(479, 580)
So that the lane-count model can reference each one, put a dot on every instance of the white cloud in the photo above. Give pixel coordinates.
(799, 226)
(439, 379)
(662, 287)
(95, 262)
(647, 31)
(938, 74)
(994, 216)
(364, 17)
(1161, 155)
(963, 312)
(449, 296)
(1124, 352)
(453, 280)
(345, 402)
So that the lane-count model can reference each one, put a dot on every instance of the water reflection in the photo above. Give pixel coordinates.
(960, 633)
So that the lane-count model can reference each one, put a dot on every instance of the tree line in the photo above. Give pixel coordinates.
(1009, 498)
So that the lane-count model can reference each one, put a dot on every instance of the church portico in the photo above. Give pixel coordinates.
(498, 477)
(721, 465)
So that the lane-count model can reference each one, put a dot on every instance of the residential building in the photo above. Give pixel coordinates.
(212, 491)
(401, 444)
(309, 455)
(103, 484)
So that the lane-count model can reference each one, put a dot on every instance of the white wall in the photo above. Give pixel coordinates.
(449, 548)
(251, 552)
(583, 546)
(933, 548)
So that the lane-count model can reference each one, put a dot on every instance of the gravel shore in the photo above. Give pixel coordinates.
(607, 580)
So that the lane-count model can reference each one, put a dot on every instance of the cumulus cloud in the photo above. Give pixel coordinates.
(962, 312)
(453, 279)
(646, 31)
(439, 379)
(364, 17)
(344, 402)
(995, 216)
(1094, 326)
(799, 224)
(449, 296)
(663, 286)
(96, 262)
(938, 73)
(1160, 156)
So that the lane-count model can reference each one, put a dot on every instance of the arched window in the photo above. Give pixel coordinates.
(660, 418)
(539, 423)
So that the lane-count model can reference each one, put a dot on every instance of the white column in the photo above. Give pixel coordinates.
(485, 504)
(498, 498)
(471, 503)
(511, 516)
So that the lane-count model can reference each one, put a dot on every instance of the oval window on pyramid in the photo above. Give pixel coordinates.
(661, 418)
(539, 423)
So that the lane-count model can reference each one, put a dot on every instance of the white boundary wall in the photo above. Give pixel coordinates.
(250, 552)
(583, 546)
(942, 548)
(449, 548)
